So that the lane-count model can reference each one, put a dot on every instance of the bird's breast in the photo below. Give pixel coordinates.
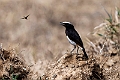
(70, 41)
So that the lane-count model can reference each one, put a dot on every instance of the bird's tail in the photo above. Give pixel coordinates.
(85, 54)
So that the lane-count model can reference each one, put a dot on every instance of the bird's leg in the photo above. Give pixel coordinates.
(77, 49)
(73, 49)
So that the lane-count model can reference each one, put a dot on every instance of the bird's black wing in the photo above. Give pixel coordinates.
(74, 36)
(28, 15)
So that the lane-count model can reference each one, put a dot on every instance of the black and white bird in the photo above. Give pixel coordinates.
(73, 37)
(25, 17)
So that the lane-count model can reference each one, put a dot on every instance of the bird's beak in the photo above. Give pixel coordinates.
(61, 24)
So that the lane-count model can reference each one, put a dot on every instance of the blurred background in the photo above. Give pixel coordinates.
(41, 37)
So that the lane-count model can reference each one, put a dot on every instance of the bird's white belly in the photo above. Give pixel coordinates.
(71, 42)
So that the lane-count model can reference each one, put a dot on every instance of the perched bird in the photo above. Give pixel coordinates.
(25, 17)
(73, 37)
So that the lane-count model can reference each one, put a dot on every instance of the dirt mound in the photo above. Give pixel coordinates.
(72, 67)
(68, 67)
(12, 67)
(103, 64)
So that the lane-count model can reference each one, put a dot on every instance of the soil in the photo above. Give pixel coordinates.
(68, 67)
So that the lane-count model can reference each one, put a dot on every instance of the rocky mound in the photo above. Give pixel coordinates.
(12, 67)
(72, 67)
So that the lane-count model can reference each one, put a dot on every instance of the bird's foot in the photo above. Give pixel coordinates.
(85, 57)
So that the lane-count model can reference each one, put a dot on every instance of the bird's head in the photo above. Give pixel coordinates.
(67, 25)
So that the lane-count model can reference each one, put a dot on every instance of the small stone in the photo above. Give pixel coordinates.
(54, 76)
(110, 62)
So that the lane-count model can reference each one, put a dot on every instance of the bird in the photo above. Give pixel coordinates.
(25, 17)
(73, 37)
